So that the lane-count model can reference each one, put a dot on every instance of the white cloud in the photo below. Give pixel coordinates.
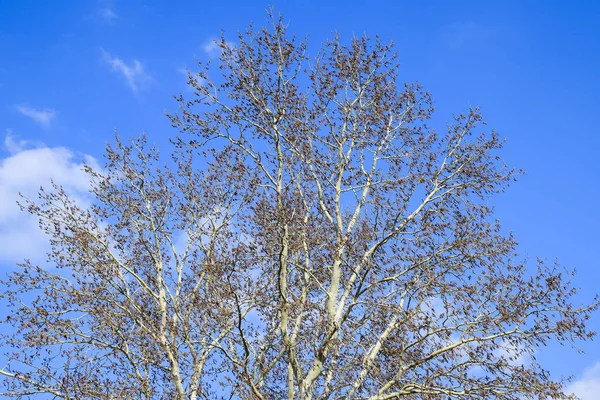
(43, 117)
(212, 47)
(24, 170)
(107, 14)
(515, 355)
(13, 144)
(106, 10)
(433, 305)
(185, 72)
(133, 73)
(587, 387)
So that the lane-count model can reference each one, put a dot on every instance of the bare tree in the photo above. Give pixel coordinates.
(135, 304)
(312, 238)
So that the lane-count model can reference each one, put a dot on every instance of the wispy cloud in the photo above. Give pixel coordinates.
(14, 144)
(515, 355)
(28, 166)
(186, 73)
(43, 117)
(587, 386)
(108, 14)
(134, 73)
(212, 47)
(106, 10)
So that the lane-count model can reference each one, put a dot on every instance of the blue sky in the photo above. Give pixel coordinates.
(71, 72)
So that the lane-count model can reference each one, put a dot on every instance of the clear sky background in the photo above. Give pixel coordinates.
(71, 72)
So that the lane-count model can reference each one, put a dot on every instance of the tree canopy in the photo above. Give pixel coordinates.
(311, 238)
